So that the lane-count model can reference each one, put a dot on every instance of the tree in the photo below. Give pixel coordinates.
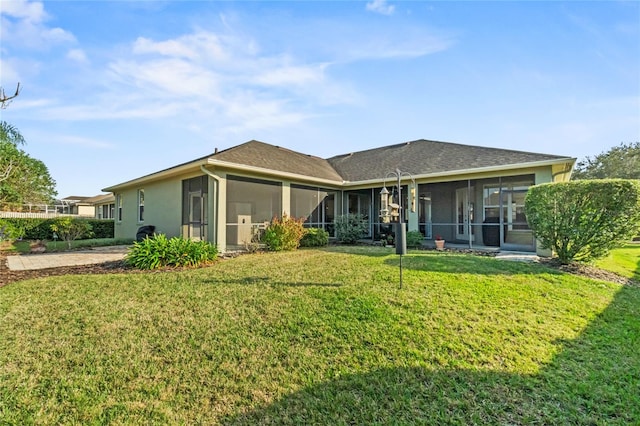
(6, 100)
(70, 229)
(22, 179)
(621, 162)
(584, 220)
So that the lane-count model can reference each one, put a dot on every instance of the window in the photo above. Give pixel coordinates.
(119, 203)
(106, 211)
(141, 205)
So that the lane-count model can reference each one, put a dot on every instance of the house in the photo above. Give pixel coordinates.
(466, 194)
(100, 206)
(103, 206)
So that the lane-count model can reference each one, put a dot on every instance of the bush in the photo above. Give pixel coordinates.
(40, 229)
(314, 237)
(350, 228)
(8, 231)
(283, 234)
(102, 228)
(158, 252)
(584, 220)
(414, 239)
(70, 229)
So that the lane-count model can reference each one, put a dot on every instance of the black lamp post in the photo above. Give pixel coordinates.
(389, 209)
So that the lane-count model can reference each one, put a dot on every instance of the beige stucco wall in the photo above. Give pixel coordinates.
(162, 207)
(86, 211)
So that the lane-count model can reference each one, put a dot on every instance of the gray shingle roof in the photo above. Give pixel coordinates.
(260, 154)
(422, 157)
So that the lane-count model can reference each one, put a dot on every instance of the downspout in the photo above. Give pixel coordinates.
(469, 229)
(215, 201)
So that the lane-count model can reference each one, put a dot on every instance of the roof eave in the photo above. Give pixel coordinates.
(463, 172)
(271, 172)
(155, 176)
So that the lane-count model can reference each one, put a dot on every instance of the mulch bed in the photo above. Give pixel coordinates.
(116, 267)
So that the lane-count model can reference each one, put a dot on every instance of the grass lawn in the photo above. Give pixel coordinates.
(322, 337)
(624, 261)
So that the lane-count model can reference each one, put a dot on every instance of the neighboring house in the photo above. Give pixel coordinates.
(467, 194)
(78, 206)
(104, 206)
(99, 207)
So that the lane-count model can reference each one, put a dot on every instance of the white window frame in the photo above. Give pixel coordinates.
(140, 205)
(119, 203)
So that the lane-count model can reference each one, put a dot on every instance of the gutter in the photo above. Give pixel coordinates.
(270, 172)
(451, 173)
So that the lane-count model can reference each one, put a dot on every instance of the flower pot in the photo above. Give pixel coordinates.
(439, 244)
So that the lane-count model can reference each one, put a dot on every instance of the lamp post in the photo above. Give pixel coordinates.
(388, 209)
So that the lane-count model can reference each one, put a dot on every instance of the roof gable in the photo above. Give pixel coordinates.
(423, 157)
(266, 156)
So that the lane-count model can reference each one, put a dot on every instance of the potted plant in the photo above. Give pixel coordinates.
(439, 243)
(389, 240)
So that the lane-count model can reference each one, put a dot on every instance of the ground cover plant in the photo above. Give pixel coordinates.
(322, 337)
(160, 251)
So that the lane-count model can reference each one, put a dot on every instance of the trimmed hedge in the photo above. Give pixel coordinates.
(584, 220)
(40, 229)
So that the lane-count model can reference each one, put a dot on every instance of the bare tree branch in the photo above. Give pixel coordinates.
(6, 100)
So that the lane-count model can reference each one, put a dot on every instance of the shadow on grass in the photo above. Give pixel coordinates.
(267, 281)
(595, 379)
(447, 262)
(466, 264)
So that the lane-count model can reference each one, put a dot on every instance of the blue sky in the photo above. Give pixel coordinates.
(116, 90)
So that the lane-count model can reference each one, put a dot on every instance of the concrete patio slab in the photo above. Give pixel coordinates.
(92, 256)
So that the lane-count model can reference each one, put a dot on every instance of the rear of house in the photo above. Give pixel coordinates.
(465, 194)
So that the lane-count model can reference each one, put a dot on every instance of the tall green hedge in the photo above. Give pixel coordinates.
(40, 229)
(584, 220)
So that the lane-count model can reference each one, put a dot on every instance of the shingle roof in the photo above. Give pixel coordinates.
(260, 154)
(422, 157)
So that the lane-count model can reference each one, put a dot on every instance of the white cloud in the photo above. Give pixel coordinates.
(80, 141)
(31, 11)
(77, 55)
(23, 23)
(381, 6)
(291, 75)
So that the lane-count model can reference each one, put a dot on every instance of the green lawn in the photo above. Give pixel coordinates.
(624, 261)
(322, 337)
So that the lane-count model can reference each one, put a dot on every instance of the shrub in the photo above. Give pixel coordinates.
(584, 220)
(283, 234)
(158, 252)
(350, 228)
(102, 228)
(40, 229)
(70, 229)
(8, 231)
(314, 237)
(414, 239)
